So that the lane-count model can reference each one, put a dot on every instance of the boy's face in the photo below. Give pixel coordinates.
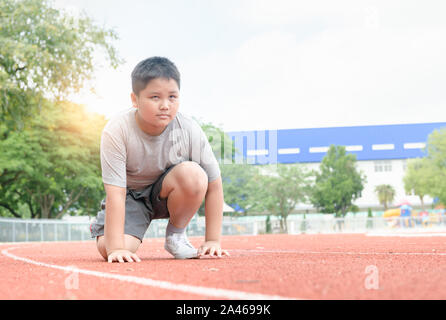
(157, 105)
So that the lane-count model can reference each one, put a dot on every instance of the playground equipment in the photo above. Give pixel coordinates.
(404, 211)
(392, 213)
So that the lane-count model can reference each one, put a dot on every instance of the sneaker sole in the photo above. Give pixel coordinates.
(183, 257)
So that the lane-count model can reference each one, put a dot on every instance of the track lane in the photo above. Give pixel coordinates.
(290, 266)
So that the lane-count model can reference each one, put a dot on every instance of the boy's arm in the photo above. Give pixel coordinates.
(114, 224)
(214, 216)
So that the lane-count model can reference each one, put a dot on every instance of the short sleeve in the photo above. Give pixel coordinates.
(202, 154)
(113, 159)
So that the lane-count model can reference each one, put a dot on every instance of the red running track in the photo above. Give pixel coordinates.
(338, 266)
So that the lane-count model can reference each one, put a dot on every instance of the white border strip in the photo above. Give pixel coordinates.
(389, 146)
(258, 152)
(289, 150)
(203, 291)
(414, 145)
(318, 149)
(354, 148)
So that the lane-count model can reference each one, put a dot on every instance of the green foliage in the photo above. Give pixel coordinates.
(279, 189)
(52, 165)
(427, 176)
(338, 183)
(419, 177)
(44, 53)
(385, 193)
(436, 147)
(49, 148)
(239, 185)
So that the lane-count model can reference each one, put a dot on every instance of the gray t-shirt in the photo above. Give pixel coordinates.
(134, 159)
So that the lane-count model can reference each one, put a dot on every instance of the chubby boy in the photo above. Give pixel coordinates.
(156, 164)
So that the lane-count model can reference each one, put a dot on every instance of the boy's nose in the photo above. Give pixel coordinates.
(164, 105)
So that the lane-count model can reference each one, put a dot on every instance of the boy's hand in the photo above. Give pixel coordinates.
(212, 248)
(122, 255)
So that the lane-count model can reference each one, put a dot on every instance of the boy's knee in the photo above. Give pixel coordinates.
(101, 246)
(192, 178)
(131, 243)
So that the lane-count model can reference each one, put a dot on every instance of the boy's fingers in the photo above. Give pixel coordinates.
(128, 258)
(202, 251)
(120, 259)
(226, 253)
(136, 258)
(219, 252)
(212, 251)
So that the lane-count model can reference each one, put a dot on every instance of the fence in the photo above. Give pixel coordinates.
(21, 230)
(15, 230)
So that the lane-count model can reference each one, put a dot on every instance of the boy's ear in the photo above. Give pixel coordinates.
(134, 100)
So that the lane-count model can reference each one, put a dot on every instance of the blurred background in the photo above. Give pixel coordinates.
(321, 107)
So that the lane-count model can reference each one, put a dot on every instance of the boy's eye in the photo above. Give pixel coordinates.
(155, 97)
(173, 97)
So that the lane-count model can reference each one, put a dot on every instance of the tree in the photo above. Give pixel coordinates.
(337, 183)
(44, 53)
(385, 193)
(279, 189)
(49, 158)
(436, 158)
(53, 164)
(419, 177)
(239, 186)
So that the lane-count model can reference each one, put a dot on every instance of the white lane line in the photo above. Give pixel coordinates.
(203, 291)
(347, 253)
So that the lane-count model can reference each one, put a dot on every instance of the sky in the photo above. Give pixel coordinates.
(282, 64)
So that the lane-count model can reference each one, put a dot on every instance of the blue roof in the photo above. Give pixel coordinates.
(374, 142)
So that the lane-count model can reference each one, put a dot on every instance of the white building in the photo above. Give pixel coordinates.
(381, 152)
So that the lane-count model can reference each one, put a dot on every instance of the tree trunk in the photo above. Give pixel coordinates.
(70, 201)
(285, 229)
(46, 204)
(422, 202)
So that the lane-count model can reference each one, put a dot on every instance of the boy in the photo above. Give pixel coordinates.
(156, 164)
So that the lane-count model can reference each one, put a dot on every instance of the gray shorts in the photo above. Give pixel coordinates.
(141, 207)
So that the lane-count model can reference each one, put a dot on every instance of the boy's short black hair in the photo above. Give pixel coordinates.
(152, 68)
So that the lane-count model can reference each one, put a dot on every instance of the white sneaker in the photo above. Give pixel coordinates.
(179, 246)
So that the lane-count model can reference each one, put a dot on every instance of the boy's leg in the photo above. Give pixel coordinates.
(131, 243)
(184, 187)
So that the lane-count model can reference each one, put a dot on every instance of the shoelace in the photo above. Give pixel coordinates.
(181, 237)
